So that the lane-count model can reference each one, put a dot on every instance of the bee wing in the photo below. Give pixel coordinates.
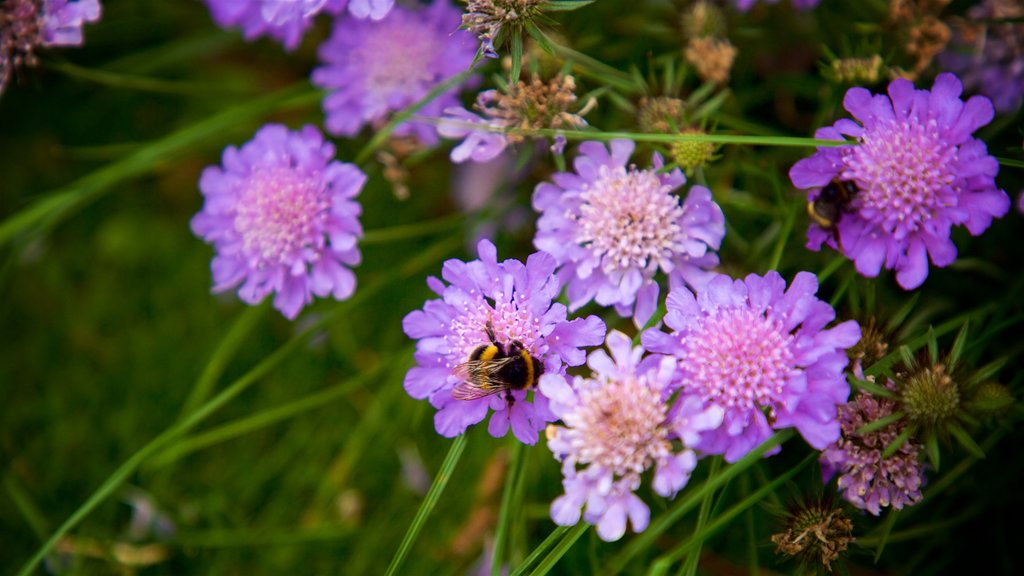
(472, 391)
(479, 379)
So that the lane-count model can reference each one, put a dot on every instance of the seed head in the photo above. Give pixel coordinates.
(532, 105)
(930, 396)
(660, 114)
(691, 155)
(817, 532)
(712, 58)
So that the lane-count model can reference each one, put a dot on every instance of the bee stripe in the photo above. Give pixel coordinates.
(529, 367)
(489, 353)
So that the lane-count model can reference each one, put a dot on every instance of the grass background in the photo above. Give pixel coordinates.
(110, 334)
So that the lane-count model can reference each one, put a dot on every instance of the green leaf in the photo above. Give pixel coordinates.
(433, 495)
(958, 347)
(556, 536)
(517, 57)
(542, 40)
(897, 319)
(987, 372)
(966, 441)
(870, 387)
(512, 481)
(883, 538)
(880, 423)
(931, 446)
(933, 345)
(559, 550)
(564, 5)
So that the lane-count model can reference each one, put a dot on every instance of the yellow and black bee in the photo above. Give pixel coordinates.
(832, 201)
(496, 368)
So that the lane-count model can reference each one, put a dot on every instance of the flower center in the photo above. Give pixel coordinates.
(398, 56)
(904, 173)
(619, 426)
(738, 358)
(510, 322)
(629, 219)
(279, 212)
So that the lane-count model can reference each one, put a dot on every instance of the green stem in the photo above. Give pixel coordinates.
(433, 495)
(560, 549)
(512, 481)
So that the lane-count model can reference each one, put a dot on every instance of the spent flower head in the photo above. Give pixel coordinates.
(493, 22)
(817, 532)
(763, 353)
(282, 217)
(612, 227)
(877, 466)
(916, 171)
(27, 25)
(617, 424)
(375, 67)
(515, 302)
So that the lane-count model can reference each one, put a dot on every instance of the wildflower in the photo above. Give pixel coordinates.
(494, 21)
(287, 20)
(744, 5)
(617, 425)
(989, 55)
(869, 478)
(515, 301)
(917, 173)
(761, 352)
(525, 106)
(372, 68)
(612, 227)
(282, 217)
(27, 25)
(816, 532)
(711, 57)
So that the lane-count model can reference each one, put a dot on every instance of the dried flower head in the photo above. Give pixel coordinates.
(704, 18)
(493, 21)
(660, 115)
(282, 216)
(917, 173)
(514, 301)
(372, 68)
(872, 346)
(27, 25)
(817, 532)
(617, 425)
(712, 58)
(869, 478)
(612, 227)
(763, 353)
(987, 51)
(926, 39)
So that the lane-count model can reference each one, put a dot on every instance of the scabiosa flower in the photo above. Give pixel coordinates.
(374, 67)
(753, 346)
(287, 20)
(612, 227)
(282, 217)
(868, 480)
(26, 25)
(516, 301)
(494, 21)
(618, 424)
(917, 172)
(988, 53)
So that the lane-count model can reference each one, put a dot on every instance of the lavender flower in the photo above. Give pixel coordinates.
(478, 145)
(287, 20)
(866, 479)
(27, 25)
(372, 68)
(612, 227)
(753, 345)
(917, 171)
(988, 55)
(516, 300)
(282, 217)
(618, 424)
(744, 5)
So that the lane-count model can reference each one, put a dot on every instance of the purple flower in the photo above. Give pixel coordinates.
(372, 68)
(989, 55)
(612, 227)
(917, 172)
(63, 20)
(282, 217)
(287, 20)
(753, 346)
(617, 425)
(867, 480)
(744, 5)
(479, 145)
(516, 300)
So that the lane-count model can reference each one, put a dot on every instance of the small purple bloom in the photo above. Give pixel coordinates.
(372, 68)
(287, 20)
(988, 53)
(282, 217)
(478, 145)
(867, 480)
(752, 346)
(63, 20)
(917, 171)
(744, 5)
(612, 227)
(617, 425)
(516, 300)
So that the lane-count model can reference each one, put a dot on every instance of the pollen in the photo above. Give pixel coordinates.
(279, 213)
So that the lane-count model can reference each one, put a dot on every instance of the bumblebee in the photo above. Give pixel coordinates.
(832, 201)
(496, 368)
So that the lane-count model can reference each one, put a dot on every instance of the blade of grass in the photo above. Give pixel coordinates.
(512, 481)
(433, 495)
(560, 549)
(689, 567)
(556, 536)
(690, 501)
